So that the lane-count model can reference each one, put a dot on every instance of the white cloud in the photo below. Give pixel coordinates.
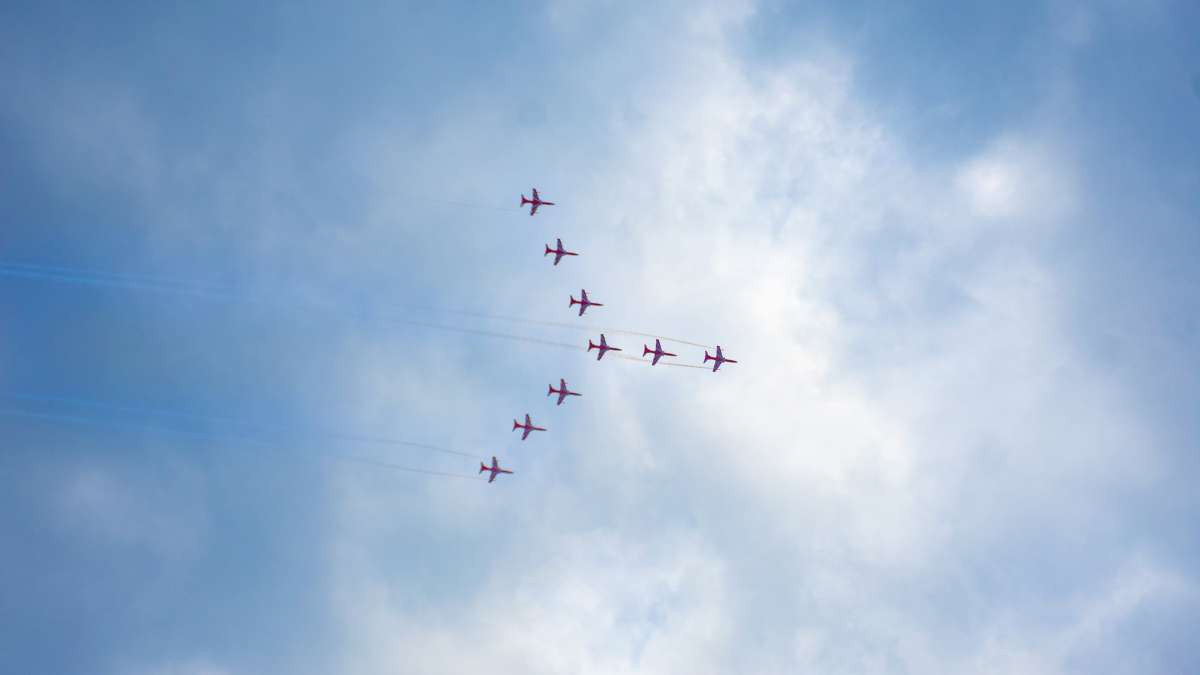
(599, 603)
(909, 439)
(907, 407)
(186, 667)
(99, 504)
(1020, 182)
(89, 131)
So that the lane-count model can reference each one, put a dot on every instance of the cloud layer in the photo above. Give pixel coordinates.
(953, 442)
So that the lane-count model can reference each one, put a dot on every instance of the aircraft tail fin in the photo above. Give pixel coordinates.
(550, 389)
(482, 468)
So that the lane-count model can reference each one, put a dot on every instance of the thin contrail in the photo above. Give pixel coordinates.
(660, 337)
(397, 467)
(328, 454)
(515, 208)
(245, 426)
(639, 359)
(160, 285)
(95, 274)
(154, 285)
(489, 333)
(149, 284)
(43, 273)
(683, 365)
(567, 325)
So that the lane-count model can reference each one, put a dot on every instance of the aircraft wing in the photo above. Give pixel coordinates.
(525, 434)
(557, 257)
(493, 477)
(535, 194)
(533, 210)
(654, 361)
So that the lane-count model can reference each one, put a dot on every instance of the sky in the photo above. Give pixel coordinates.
(257, 261)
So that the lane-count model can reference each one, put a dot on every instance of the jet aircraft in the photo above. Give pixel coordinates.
(562, 391)
(718, 359)
(584, 303)
(558, 253)
(536, 202)
(528, 427)
(603, 347)
(494, 468)
(657, 352)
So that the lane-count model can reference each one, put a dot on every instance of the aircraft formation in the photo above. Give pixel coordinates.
(560, 252)
(601, 349)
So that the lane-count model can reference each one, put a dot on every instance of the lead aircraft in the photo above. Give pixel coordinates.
(494, 468)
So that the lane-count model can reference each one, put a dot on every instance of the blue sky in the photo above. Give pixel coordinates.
(951, 246)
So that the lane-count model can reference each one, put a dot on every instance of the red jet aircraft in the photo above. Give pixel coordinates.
(718, 359)
(584, 303)
(559, 253)
(657, 352)
(494, 468)
(536, 201)
(603, 347)
(562, 391)
(528, 427)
